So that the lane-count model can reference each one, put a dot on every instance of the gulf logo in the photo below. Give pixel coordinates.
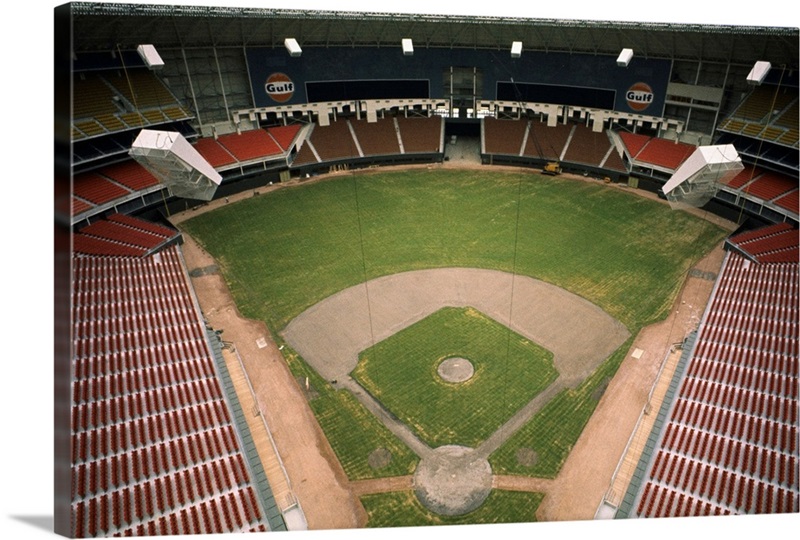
(639, 96)
(279, 87)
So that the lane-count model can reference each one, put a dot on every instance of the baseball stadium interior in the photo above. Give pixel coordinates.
(173, 109)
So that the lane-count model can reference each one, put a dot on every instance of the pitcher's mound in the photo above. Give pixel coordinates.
(455, 370)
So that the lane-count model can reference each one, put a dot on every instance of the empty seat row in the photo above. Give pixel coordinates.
(143, 510)
(773, 377)
(148, 472)
(122, 375)
(765, 405)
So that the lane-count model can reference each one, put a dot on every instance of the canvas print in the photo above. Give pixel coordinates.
(327, 270)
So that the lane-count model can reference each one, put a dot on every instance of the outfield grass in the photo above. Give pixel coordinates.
(284, 251)
(401, 372)
(403, 509)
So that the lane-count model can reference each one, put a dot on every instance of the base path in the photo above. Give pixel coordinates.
(331, 334)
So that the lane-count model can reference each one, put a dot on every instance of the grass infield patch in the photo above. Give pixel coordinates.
(401, 372)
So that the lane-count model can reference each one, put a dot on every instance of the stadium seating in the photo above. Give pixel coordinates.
(762, 101)
(747, 174)
(728, 446)
(421, 134)
(151, 430)
(96, 189)
(634, 142)
(142, 88)
(110, 102)
(131, 175)
(252, 145)
(351, 139)
(769, 185)
(790, 201)
(335, 141)
(587, 147)
(284, 135)
(212, 151)
(546, 142)
(376, 138)
(664, 153)
(503, 136)
(574, 144)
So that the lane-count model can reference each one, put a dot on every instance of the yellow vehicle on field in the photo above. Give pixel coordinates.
(552, 168)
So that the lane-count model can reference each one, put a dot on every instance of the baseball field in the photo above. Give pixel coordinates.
(371, 281)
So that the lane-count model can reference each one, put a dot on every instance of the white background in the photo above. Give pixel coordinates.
(26, 111)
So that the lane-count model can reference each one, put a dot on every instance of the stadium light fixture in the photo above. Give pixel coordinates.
(150, 56)
(758, 73)
(169, 157)
(293, 47)
(408, 47)
(516, 49)
(624, 57)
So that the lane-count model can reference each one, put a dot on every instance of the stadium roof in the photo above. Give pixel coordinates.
(105, 26)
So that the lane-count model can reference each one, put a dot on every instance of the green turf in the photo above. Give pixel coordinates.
(284, 251)
(353, 432)
(401, 372)
(403, 509)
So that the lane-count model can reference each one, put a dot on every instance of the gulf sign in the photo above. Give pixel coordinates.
(639, 96)
(279, 87)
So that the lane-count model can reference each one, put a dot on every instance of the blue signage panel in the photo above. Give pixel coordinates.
(345, 73)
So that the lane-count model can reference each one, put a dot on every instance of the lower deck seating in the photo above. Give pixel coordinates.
(376, 138)
(728, 444)
(250, 145)
(421, 134)
(503, 136)
(545, 142)
(154, 445)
